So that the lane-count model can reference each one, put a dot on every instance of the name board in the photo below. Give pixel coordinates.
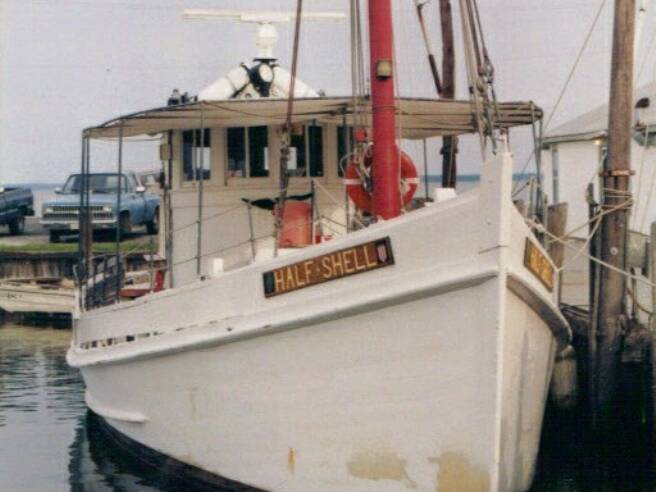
(331, 266)
(539, 265)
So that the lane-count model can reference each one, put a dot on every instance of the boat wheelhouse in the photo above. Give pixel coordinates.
(239, 150)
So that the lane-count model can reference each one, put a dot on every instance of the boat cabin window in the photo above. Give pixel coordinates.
(248, 152)
(306, 151)
(342, 133)
(191, 147)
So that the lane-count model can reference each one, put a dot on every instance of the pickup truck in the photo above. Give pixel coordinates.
(138, 207)
(15, 205)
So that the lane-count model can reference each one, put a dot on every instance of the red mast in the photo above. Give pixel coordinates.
(386, 162)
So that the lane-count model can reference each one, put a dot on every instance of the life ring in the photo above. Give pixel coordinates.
(363, 199)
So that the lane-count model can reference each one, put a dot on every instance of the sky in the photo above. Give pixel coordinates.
(69, 64)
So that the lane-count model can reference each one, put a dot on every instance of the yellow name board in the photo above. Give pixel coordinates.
(538, 264)
(331, 266)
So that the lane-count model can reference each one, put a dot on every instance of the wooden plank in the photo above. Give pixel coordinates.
(556, 225)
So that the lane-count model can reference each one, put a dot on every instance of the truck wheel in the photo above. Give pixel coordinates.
(55, 236)
(124, 224)
(153, 225)
(17, 225)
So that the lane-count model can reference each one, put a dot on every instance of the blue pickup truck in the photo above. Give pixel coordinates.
(15, 205)
(138, 207)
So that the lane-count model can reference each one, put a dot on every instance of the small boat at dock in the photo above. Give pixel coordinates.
(38, 295)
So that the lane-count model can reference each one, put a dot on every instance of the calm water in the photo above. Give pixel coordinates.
(48, 441)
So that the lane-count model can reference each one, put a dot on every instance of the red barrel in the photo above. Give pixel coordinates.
(296, 225)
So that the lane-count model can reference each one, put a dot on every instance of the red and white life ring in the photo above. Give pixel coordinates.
(363, 199)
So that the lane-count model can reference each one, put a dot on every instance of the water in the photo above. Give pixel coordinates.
(48, 441)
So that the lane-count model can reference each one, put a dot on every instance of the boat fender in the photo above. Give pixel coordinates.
(361, 196)
(563, 388)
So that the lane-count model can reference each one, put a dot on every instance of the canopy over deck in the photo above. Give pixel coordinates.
(418, 118)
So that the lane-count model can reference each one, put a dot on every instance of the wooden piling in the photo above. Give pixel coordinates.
(616, 173)
(652, 324)
(557, 225)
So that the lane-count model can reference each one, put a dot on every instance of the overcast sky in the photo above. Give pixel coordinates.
(68, 64)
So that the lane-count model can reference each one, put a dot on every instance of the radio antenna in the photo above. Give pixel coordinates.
(267, 35)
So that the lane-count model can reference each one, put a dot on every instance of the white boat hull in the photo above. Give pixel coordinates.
(430, 375)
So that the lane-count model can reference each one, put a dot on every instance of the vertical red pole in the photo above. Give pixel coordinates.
(386, 162)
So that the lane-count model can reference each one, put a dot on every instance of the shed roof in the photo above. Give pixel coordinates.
(593, 124)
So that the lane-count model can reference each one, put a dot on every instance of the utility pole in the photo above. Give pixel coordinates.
(449, 144)
(616, 203)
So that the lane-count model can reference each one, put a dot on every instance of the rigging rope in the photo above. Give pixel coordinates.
(286, 134)
(480, 72)
(560, 240)
(566, 84)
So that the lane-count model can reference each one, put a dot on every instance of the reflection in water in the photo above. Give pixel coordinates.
(40, 402)
(92, 466)
(98, 464)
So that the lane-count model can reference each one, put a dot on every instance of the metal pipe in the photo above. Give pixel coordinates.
(386, 162)
(88, 231)
(200, 170)
(306, 144)
(555, 173)
(82, 255)
(80, 217)
(151, 264)
(251, 229)
(429, 49)
(347, 151)
(119, 176)
(168, 247)
(104, 279)
(425, 167)
(312, 212)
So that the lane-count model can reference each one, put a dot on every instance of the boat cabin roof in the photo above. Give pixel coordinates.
(417, 118)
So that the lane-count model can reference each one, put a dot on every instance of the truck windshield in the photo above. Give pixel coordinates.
(98, 183)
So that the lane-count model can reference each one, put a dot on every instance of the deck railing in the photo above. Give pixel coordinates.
(103, 277)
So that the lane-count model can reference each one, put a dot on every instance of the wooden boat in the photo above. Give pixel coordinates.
(411, 354)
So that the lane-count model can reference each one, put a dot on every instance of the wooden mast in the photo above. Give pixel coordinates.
(386, 159)
(449, 144)
(616, 203)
